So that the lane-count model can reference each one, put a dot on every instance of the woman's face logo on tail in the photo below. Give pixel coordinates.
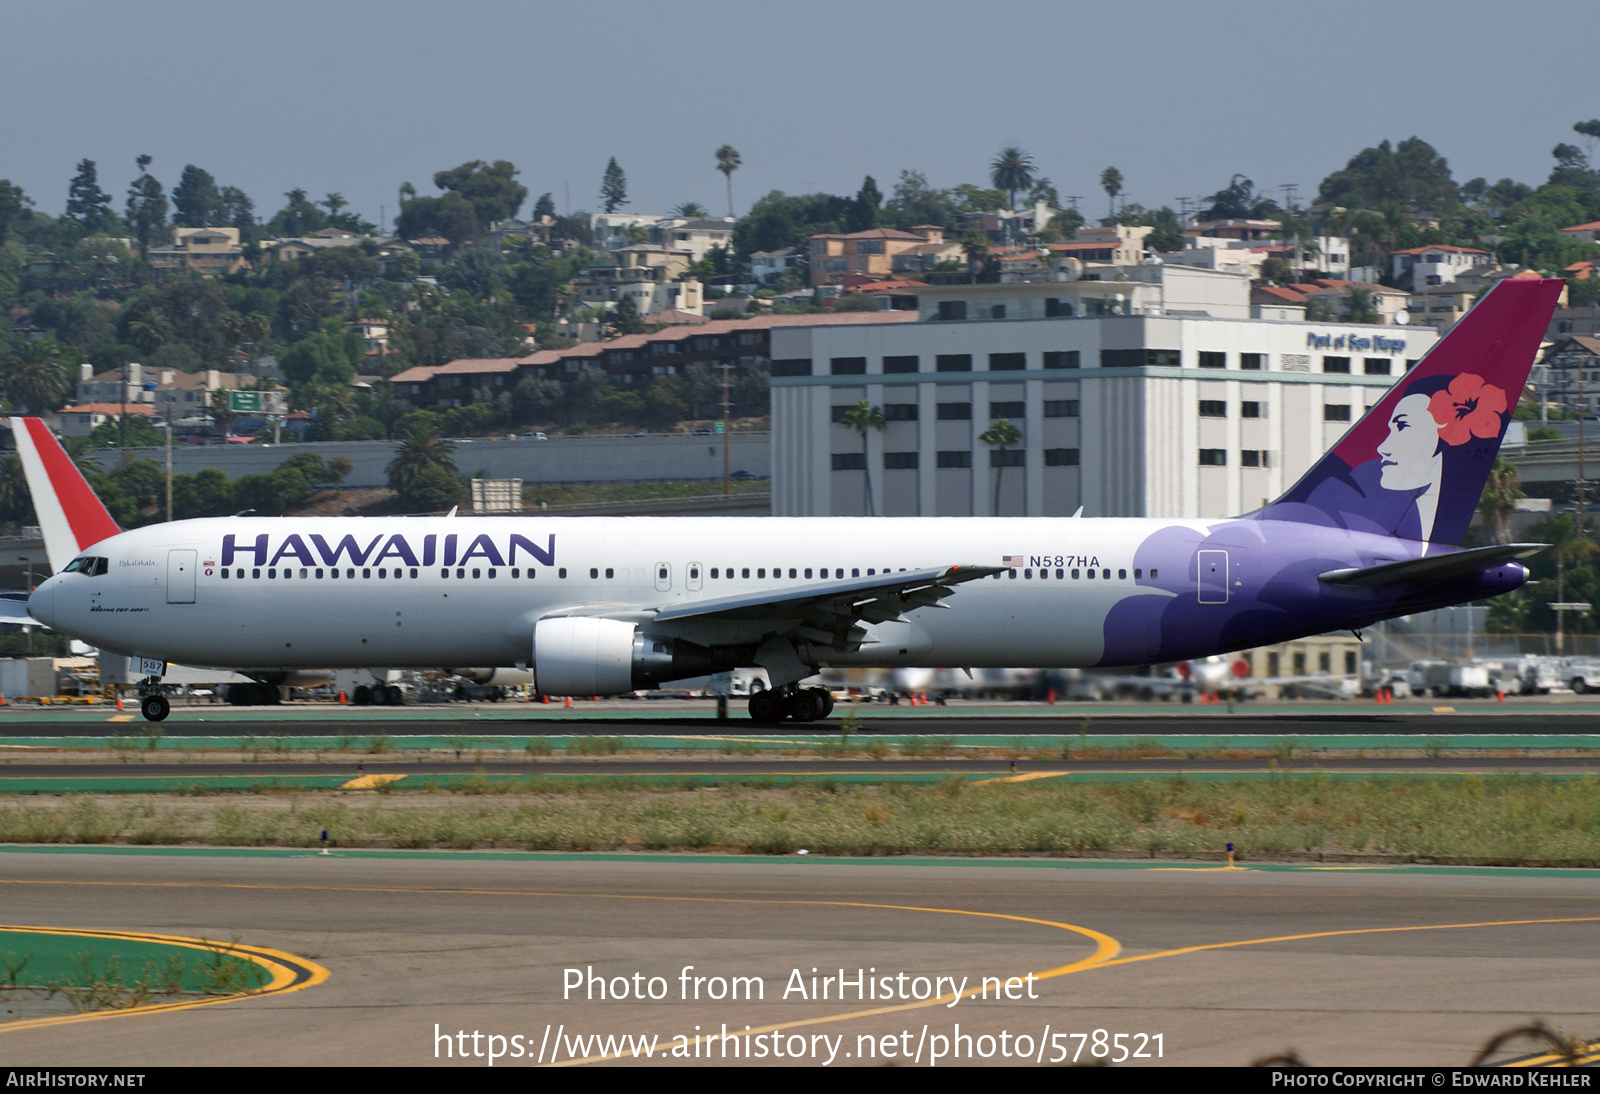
(1410, 454)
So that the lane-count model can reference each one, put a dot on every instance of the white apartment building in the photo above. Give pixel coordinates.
(1160, 404)
(1438, 264)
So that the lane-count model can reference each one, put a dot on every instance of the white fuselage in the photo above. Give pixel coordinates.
(474, 596)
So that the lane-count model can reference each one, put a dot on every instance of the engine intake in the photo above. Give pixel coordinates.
(580, 655)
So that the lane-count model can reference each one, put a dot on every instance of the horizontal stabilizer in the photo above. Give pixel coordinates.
(1421, 571)
(14, 609)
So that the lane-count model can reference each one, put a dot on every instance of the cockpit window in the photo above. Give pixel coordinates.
(88, 565)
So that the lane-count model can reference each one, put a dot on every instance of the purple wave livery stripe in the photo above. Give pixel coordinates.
(1403, 483)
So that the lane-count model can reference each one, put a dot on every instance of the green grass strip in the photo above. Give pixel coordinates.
(41, 960)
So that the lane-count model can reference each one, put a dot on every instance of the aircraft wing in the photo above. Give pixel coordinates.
(14, 609)
(1420, 571)
(828, 612)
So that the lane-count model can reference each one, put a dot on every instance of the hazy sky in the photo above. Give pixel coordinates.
(358, 96)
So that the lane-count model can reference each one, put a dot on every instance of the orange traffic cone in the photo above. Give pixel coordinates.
(544, 699)
(1502, 696)
(341, 697)
(569, 702)
(119, 702)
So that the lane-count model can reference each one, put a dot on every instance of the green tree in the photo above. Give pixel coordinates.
(861, 418)
(88, 206)
(13, 204)
(1239, 201)
(1111, 183)
(1044, 190)
(300, 217)
(1012, 170)
(864, 210)
(624, 319)
(913, 202)
(1410, 173)
(689, 210)
(613, 187)
(1499, 500)
(147, 206)
(423, 472)
(35, 376)
(236, 210)
(491, 190)
(544, 207)
(1001, 434)
(195, 198)
(727, 162)
(1362, 306)
(975, 245)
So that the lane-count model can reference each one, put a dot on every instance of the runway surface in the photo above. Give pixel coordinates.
(645, 719)
(1345, 966)
(425, 766)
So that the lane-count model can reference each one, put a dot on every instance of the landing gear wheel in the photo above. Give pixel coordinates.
(363, 695)
(393, 696)
(765, 707)
(808, 705)
(827, 702)
(155, 707)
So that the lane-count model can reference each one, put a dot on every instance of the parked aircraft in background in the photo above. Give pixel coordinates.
(608, 605)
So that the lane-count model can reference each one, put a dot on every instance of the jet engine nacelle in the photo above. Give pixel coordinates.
(581, 655)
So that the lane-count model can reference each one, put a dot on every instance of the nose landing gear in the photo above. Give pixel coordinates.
(152, 704)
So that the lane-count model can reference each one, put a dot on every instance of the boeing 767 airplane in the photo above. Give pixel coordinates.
(600, 606)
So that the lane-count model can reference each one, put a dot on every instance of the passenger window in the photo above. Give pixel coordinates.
(694, 573)
(561, 573)
(531, 572)
(476, 574)
(491, 575)
(761, 572)
(594, 572)
(808, 572)
(1012, 574)
(255, 573)
(1154, 573)
(350, 573)
(1028, 574)
(1122, 575)
(383, 573)
(1074, 575)
(713, 573)
(855, 571)
(319, 575)
(1089, 574)
(366, 573)
(444, 573)
(461, 573)
(1138, 573)
(271, 572)
(746, 571)
(610, 573)
(1060, 574)
(1106, 574)
(516, 571)
(871, 571)
(792, 573)
(334, 574)
(1044, 575)
(304, 573)
(413, 572)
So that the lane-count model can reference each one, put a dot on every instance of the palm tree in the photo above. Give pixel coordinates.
(1499, 501)
(1570, 544)
(418, 454)
(1001, 434)
(1012, 170)
(862, 417)
(1363, 309)
(689, 210)
(1111, 183)
(728, 163)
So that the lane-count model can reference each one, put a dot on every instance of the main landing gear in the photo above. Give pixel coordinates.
(800, 704)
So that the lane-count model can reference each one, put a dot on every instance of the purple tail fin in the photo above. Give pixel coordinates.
(1415, 465)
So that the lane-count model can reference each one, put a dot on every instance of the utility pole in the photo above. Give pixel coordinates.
(28, 585)
(122, 412)
(727, 458)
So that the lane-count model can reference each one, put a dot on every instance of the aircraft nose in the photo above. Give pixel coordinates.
(42, 603)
